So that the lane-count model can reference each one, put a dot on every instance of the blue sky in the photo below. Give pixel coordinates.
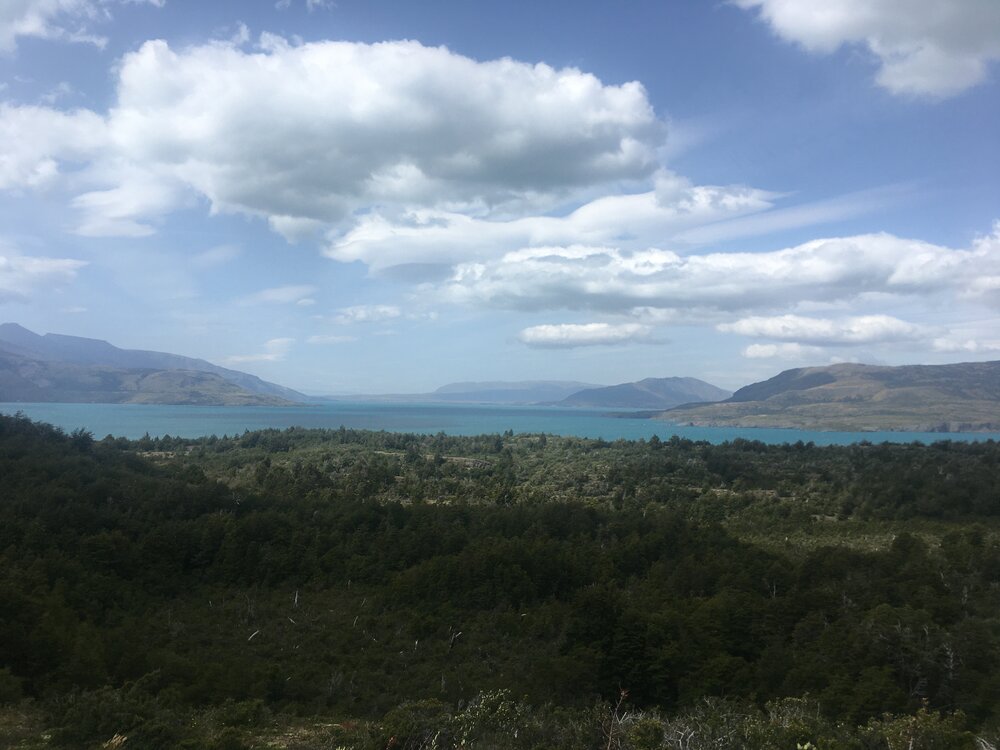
(368, 196)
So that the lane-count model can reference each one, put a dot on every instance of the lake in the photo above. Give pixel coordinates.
(134, 420)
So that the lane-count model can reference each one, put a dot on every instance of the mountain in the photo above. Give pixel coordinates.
(517, 392)
(651, 393)
(55, 367)
(940, 398)
(488, 392)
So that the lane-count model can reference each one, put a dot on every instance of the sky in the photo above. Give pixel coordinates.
(373, 196)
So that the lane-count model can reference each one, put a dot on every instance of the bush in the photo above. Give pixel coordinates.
(10, 687)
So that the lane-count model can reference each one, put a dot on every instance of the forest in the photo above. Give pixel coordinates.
(351, 589)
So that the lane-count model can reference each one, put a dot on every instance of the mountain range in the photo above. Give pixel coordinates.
(651, 393)
(55, 367)
(852, 397)
(489, 392)
(962, 397)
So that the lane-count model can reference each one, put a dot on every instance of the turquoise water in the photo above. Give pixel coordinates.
(134, 420)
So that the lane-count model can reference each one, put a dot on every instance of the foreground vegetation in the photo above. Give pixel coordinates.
(355, 589)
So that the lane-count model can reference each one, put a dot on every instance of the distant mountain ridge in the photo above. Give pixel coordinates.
(522, 391)
(650, 393)
(56, 367)
(486, 392)
(936, 398)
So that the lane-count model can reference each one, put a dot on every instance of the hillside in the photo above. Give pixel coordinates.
(32, 380)
(651, 393)
(77, 350)
(71, 369)
(939, 398)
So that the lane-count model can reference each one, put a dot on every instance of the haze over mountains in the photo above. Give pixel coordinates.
(651, 393)
(961, 397)
(71, 369)
(486, 392)
(851, 397)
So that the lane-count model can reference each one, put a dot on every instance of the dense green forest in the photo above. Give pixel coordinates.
(341, 588)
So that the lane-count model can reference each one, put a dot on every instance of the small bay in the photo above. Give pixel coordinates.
(135, 420)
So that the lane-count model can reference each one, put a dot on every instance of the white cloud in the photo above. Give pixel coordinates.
(67, 20)
(348, 126)
(275, 350)
(570, 335)
(782, 351)
(410, 158)
(924, 47)
(957, 344)
(444, 238)
(129, 210)
(366, 314)
(862, 329)
(280, 295)
(38, 139)
(829, 270)
(21, 276)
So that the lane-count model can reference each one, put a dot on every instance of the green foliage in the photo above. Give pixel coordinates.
(133, 712)
(10, 687)
(925, 730)
(421, 582)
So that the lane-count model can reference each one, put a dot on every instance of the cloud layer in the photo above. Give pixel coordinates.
(830, 270)
(861, 329)
(924, 47)
(441, 238)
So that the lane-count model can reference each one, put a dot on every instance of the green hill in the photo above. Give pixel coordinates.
(936, 398)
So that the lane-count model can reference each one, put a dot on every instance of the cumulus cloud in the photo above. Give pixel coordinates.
(569, 335)
(20, 275)
(347, 126)
(828, 270)
(862, 329)
(67, 20)
(274, 350)
(281, 295)
(924, 47)
(367, 314)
